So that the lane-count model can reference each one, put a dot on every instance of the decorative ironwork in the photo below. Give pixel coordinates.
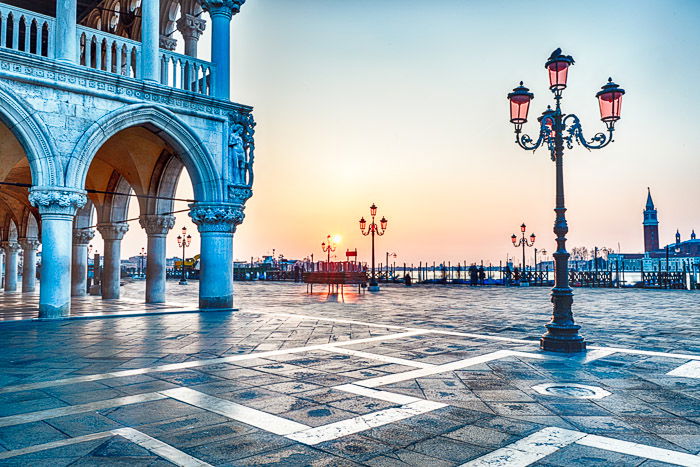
(556, 130)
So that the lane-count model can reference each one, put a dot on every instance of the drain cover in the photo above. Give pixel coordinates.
(571, 390)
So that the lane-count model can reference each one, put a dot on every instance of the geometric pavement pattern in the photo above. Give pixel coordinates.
(270, 387)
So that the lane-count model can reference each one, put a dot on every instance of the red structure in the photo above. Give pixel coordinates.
(336, 275)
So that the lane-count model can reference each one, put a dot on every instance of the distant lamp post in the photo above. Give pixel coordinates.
(184, 241)
(393, 255)
(142, 255)
(557, 129)
(328, 248)
(523, 243)
(373, 229)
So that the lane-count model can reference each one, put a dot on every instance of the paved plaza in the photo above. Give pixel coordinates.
(426, 375)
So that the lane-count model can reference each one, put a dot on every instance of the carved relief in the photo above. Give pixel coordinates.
(83, 236)
(50, 201)
(242, 148)
(216, 218)
(157, 225)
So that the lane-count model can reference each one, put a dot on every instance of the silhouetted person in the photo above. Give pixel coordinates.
(482, 275)
(506, 275)
(473, 275)
(408, 280)
(516, 274)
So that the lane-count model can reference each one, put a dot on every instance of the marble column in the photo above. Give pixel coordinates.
(57, 207)
(29, 247)
(81, 240)
(112, 234)
(11, 250)
(191, 27)
(216, 223)
(66, 33)
(157, 228)
(150, 40)
(221, 12)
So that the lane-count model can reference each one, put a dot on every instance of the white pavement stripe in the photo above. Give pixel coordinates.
(199, 363)
(549, 440)
(334, 320)
(423, 372)
(160, 448)
(650, 353)
(529, 449)
(253, 417)
(483, 337)
(640, 450)
(480, 336)
(342, 428)
(688, 370)
(54, 444)
(75, 409)
(380, 358)
(593, 355)
(376, 394)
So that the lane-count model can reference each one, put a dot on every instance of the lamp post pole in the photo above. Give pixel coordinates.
(387, 264)
(142, 254)
(184, 241)
(562, 334)
(373, 229)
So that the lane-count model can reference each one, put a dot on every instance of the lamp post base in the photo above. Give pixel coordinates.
(183, 282)
(562, 338)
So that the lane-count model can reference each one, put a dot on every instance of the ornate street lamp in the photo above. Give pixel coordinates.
(184, 241)
(328, 248)
(373, 229)
(142, 255)
(523, 242)
(557, 129)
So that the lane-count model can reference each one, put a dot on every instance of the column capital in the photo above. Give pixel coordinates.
(10, 247)
(191, 26)
(57, 200)
(168, 43)
(216, 217)
(222, 7)
(82, 236)
(155, 224)
(113, 231)
(29, 243)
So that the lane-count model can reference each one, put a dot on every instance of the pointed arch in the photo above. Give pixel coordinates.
(191, 150)
(34, 138)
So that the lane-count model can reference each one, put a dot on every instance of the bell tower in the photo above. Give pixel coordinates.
(651, 225)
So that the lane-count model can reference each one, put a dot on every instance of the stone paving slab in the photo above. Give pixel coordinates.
(405, 377)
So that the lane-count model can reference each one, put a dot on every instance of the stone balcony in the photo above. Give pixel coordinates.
(107, 64)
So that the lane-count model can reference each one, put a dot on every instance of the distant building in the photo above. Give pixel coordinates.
(651, 225)
(681, 254)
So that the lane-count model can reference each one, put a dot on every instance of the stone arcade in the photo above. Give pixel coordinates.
(94, 101)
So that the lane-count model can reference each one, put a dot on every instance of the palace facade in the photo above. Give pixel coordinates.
(96, 104)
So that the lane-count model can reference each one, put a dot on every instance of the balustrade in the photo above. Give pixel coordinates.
(33, 33)
(186, 73)
(107, 52)
(26, 31)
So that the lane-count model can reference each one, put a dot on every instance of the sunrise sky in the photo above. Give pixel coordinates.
(403, 103)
